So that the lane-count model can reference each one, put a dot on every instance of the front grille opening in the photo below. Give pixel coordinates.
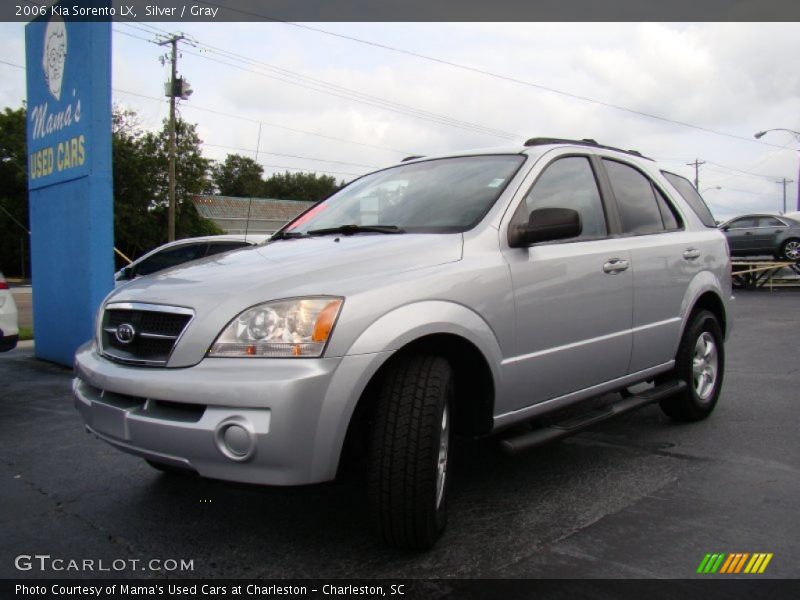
(149, 321)
(156, 333)
(175, 411)
(121, 400)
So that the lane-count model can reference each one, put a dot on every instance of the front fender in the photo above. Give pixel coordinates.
(403, 325)
(374, 347)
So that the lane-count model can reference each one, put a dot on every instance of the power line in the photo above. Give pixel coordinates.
(336, 162)
(325, 87)
(309, 170)
(378, 102)
(275, 153)
(261, 151)
(740, 171)
(500, 76)
(10, 64)
(341, 89)
(696, 164)
(258, 121)
(138, 37)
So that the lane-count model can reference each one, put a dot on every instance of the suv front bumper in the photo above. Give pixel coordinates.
(264, 421)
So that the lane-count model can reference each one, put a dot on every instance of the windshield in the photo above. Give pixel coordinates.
(434, 196)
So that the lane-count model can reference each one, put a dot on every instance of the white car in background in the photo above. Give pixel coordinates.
(181, 251)
(9, 330)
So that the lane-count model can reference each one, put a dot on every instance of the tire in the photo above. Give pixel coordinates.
(790, 249)
(700, 363)
(407, 478)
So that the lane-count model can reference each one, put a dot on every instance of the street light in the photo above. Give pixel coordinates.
(796, 135)
(716, 187)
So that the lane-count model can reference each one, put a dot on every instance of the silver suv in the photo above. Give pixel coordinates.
(452, 295)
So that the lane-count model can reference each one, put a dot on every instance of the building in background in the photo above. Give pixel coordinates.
(251, 215)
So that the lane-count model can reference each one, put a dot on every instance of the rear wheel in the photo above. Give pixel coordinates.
(409, 452)
(700, 364)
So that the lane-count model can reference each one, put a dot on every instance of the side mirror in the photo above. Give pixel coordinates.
(546, 225)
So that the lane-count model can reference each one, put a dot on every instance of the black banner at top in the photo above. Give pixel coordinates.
(403, 10)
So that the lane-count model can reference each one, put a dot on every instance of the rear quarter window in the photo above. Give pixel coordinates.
(693, 199)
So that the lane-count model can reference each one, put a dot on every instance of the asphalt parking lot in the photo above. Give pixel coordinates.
(639, 497)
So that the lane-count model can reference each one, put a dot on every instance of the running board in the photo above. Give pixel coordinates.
(562, 429)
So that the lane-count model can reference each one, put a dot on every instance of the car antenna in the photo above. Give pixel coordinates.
(250, 202)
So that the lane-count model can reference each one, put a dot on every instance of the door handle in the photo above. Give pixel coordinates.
(691, 253)
(615, 265)
(748, 233)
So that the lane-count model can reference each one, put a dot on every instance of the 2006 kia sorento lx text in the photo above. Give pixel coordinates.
(446, 295)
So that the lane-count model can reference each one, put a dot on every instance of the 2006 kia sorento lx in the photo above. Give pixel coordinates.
(446, 295)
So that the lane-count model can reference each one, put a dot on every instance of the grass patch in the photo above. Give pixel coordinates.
(25, 333)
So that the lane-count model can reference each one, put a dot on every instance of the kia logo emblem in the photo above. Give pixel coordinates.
(125, 333)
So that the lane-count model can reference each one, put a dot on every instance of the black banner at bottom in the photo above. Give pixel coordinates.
(411, 589)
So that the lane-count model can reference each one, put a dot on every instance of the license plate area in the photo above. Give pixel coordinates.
(112, 419)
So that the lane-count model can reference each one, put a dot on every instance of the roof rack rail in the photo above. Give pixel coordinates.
(544, 141)
(408, 158)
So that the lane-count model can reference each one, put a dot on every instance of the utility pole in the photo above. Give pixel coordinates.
(696, 164)
(173, 41)
(785, 182)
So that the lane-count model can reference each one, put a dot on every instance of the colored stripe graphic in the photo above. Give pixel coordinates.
(730, 564)
(734, 563)
(731, 560)
(741, 562)
(759, 563)
(716, 565)
(711, 563)
(703, 563)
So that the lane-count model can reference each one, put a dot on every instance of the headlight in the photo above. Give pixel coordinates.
(285, 328)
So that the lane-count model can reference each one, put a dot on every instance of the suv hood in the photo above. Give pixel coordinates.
(219, 287)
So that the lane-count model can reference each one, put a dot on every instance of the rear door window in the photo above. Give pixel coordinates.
(636, 201)
(770, 222)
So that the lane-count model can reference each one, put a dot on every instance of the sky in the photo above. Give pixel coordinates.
(332, 98)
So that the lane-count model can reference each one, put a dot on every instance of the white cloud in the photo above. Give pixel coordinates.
(733, 77)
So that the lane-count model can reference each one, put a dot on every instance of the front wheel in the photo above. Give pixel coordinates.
(700, 364)
(409, 452)
(790, 250)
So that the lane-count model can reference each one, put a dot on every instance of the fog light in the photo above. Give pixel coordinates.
(235, 439)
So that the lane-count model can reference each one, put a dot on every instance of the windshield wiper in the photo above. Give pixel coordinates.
(287, 235)
(353, 228)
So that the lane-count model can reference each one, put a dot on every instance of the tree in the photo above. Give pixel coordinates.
(238, 176)
(136, 228)
(300, 186)
(141, 184)
(14, 241)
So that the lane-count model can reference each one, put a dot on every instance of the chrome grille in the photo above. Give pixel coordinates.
(142, 334)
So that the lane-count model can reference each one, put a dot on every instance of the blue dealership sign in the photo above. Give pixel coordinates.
(58, 114)
(69, 179)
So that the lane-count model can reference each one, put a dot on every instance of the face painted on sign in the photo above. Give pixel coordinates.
(55, 53)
